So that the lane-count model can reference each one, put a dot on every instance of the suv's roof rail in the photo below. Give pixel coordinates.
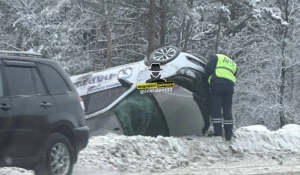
(5, 52)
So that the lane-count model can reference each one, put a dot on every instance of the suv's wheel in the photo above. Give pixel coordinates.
(164, 55)
(57, 158)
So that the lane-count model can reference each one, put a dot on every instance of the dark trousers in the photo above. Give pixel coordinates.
(221, 95)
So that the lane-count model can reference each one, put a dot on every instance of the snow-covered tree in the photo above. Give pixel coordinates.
(267, 76)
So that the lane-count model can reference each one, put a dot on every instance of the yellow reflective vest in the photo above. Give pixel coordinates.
(225, 68)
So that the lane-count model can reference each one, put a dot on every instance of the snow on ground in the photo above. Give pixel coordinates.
(255, 150)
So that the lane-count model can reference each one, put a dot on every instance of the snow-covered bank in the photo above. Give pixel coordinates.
(260, 139)
(254, 149)
(140, 154)
(136, 154)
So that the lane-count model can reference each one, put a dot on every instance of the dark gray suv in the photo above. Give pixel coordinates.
(42, 123)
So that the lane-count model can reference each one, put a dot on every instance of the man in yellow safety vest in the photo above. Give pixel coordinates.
(222, 77)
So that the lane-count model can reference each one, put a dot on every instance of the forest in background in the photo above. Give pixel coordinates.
(262, 36)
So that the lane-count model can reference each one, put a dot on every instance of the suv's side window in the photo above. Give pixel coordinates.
(20, 81)
(54, 81)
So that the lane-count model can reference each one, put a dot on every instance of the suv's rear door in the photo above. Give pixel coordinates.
(5, 116)
(67, 102)
(31, 104)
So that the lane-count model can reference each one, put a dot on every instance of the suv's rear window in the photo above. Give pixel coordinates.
(54, 81)
(40, 88)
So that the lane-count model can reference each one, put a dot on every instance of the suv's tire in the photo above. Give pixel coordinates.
(164, 55)
(56, 148)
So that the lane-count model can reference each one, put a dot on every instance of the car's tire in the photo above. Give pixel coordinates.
(164, 55)
(59, 152)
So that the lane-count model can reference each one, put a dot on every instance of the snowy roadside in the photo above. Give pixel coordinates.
(255, 150)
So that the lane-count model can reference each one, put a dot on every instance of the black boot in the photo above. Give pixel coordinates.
(213, 135)
(228, 138)
(210, 135)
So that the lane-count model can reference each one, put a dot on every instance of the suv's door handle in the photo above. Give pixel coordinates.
(4, 107)
(46, 105)
(116, 129)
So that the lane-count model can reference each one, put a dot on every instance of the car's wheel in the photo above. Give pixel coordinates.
(164, 55)
(57, 158)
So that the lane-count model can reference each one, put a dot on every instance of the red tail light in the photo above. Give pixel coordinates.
(82, 103)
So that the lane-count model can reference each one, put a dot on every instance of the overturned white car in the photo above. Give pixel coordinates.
(114, 104)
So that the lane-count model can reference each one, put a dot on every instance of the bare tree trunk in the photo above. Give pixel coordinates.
(20, 41)
(163, 22)
(180, 32)
(282, 88)
(187, 35)
(108, 37)
(188, 27)
(283, 69)
(151, 28)
(218, 33)
(219, 29)
(233, 12)
(94, 62)
(66, 11)
(292, 84)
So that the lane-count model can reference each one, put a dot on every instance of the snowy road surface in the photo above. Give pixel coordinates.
(255, 150)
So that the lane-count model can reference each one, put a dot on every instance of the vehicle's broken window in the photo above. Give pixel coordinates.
(139, 114)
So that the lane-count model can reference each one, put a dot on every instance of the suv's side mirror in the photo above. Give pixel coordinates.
(124, 82)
